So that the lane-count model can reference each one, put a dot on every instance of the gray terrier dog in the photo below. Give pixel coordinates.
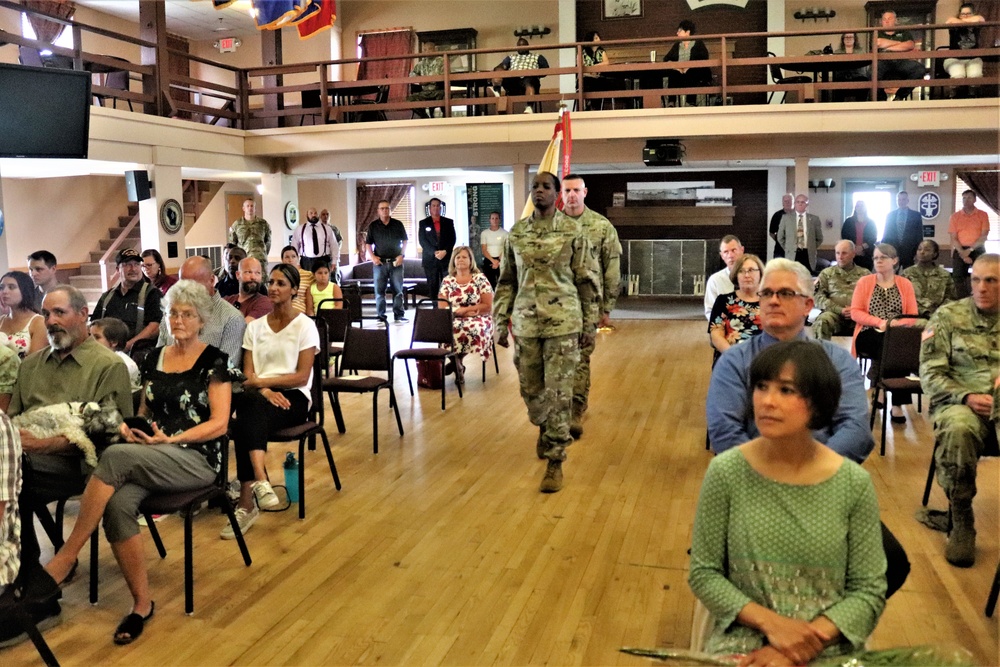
(77, 421)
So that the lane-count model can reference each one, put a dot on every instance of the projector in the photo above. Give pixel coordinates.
(663, 153)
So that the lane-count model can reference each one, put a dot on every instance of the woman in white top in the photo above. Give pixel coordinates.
(278, 353)
(21, 327)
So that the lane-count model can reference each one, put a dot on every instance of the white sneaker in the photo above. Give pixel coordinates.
(244, 518)
(266, 497)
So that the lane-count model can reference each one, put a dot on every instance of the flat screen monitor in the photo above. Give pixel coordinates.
(44, 112)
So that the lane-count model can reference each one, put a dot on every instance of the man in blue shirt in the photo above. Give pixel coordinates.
(786, 297)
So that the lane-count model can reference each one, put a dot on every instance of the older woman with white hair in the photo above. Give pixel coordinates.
(184, 411)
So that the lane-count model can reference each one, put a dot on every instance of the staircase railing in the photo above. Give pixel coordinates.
(106, 276)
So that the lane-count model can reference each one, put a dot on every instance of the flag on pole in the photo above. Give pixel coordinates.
(319, 20)
(562, 140)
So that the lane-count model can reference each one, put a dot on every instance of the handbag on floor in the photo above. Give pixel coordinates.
(429, 374)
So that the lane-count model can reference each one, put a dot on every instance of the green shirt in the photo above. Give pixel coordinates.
(91, 372)
(801, 551)
(960, 353)
(548, 283)
(603, 238)
(254, 236)
(933, 287)
(9, 363)
(835, 287)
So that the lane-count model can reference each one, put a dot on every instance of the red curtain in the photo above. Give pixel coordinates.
(369, 195)
(48, 31)
(985, 184)
(395, 43)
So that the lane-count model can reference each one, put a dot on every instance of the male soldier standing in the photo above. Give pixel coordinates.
(603, 238)
(959, 366)
(548, 291)
(251, 233)
(834, 291)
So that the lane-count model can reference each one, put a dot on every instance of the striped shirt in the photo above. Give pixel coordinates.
(10, 489)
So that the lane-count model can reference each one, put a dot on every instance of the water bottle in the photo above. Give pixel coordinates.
(291, 467)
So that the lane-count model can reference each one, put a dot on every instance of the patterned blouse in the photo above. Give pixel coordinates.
(178, 401)
(739, 319)
(19, 341)
(472, 334)
(885, 303)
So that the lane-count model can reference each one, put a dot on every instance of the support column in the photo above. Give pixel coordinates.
(279, 190)
(567, 34)
(522, 186)
(270, 56)
(153, 28)
(802, 176)
(166, 185)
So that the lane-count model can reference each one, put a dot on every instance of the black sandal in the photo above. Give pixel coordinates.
(132, 626)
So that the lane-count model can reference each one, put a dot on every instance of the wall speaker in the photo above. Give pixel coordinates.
(137, 183)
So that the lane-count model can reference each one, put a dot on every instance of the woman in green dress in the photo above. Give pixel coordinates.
(787, 549)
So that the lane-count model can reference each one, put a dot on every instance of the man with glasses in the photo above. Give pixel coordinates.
(730, 250)
(801, 233)
(834, 291)
(786, 297)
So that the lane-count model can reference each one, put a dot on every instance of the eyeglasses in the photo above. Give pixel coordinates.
(879, 258)
(747, 272)
(782, 294)
(187, 317)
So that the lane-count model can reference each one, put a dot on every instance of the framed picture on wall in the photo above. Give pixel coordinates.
(621, 9)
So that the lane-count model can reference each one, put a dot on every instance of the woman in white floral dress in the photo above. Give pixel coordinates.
(471, 297)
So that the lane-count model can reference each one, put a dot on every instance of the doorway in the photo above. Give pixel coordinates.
(879, 197)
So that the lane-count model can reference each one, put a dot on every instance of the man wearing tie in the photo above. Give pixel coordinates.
(904, 230)
(437, 239)
(315, 241)
(801, 232)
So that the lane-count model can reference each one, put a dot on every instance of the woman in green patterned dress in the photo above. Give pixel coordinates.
(787, 548)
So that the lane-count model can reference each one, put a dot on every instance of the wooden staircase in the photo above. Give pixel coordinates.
(89, 280)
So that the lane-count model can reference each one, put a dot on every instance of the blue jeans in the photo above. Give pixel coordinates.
(386, 273)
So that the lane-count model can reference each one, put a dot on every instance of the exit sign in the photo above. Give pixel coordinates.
(227, 44)
(929, 179)
(437, 187)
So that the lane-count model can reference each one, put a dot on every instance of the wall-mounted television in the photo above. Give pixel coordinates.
(44, 112)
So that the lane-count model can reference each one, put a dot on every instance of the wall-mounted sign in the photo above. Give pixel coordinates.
(437, 187)
(291, 215)
(171, 216)
(928, 179)
(929, 205)
(228, 44)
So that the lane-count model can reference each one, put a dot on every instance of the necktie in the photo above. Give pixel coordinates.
(315, 239)
(801, 232)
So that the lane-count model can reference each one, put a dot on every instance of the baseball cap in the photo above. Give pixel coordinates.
(127, 255)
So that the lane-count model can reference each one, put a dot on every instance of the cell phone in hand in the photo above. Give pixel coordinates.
(139, 424)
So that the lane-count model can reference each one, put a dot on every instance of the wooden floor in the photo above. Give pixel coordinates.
(440, 550)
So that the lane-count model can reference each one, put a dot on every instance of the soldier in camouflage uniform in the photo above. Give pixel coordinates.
(834, 291)
(932, 285)
(432, 90)
(603, 238)
(548, 291)
(253, 234)
(959, 365)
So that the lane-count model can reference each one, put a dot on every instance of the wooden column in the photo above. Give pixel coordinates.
(270, 56)
(153, 28)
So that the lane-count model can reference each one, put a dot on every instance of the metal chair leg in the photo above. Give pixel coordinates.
(991, 601)
(188, 563)
(375, 421)
(395, 408)
(930, 475)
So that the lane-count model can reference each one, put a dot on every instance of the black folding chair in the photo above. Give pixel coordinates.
(14, 605)
(432, 324)
(337, 320)
(314, 424)
(900, 359)
(364, 350)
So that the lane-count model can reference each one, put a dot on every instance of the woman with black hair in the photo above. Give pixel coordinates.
(787, 548)
(594, 82)
(683, 51)
(156, 271)
(932, 286)
(278, 354)
(21, 327)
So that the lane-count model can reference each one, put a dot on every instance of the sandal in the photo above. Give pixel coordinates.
(132, 626)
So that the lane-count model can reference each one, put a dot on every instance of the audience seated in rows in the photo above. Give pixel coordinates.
(834, 293)
(252, 301)
(735, 316)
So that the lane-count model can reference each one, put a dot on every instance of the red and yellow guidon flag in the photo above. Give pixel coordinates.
(562, 141)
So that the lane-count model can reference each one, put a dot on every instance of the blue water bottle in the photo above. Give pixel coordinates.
(292, 477)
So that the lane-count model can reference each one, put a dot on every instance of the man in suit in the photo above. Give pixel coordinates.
(904, 230)
(437, 239)
(801, 233)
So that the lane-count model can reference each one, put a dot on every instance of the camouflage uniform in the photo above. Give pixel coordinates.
(548, 291)
(834, 291)
(933, 287)
(960, 355)
(603, 238)
(254, 236)
(432, 66)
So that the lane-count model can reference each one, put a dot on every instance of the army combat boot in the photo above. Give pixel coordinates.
(553, 479)
(961, 548)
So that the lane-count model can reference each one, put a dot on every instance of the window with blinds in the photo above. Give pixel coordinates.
(993, 240)
(405, 214)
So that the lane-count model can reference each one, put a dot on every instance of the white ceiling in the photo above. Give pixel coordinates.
(195, 19)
